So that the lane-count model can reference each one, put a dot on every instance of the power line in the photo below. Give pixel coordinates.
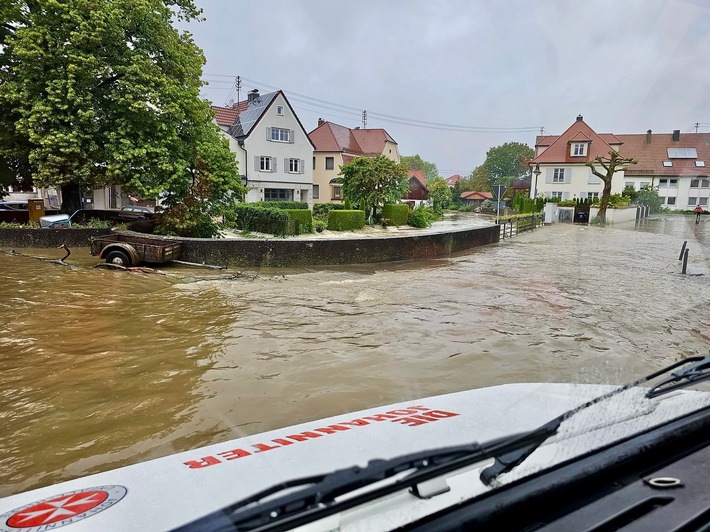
(332, 106)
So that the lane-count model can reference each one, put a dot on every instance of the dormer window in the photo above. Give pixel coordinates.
(579, 149)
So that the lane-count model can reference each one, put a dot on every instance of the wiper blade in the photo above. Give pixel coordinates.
(695, 369)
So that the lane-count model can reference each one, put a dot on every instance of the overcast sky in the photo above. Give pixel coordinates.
(509, 66)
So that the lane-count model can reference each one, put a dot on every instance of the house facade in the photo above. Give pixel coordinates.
(673, 163)
(475, 199)
(271, 146)
(561, 161)
(336, 145)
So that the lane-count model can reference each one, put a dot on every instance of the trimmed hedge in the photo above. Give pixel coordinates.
(304, 217)
(396, 213)
(321, 210)
(342, 220)
(287, 205)
(251, 217)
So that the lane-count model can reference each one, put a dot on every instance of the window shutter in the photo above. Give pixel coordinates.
(273, 164)
(287, 168)
(290, 136)
(268, 133)
(301, 166)
(568, 176)
(548, 175)
(565, 195)
(256, 163)
(583, 195)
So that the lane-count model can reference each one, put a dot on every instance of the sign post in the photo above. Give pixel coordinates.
(498, 191)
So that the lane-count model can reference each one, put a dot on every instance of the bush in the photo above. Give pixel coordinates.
(287, 205)
(396, 213)
(250, 217)
(421, 217)
(304, 217)
(321, 210)
(342, 220)
(319, 225)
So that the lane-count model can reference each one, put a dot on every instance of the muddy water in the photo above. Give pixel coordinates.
(101, 369)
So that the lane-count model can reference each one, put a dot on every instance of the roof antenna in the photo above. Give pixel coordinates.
(238, 83)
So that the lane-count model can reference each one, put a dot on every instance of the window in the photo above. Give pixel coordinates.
(644, 184)
(329, 163)
(266, 164)
(699, 163)
(294, 166)
(629, 184)
(558, 175)
(579, 149)
(337, 192)
(278, 194)
(694, 183)
(314, 163)
(670, 200)
(668, 183)
(682, 153)
(705, 183)
(703, 202)
(592, 195)
(556, 195)
(280, 110)
(692, 201)
(316, 191)
(667, 163)
(278, 134)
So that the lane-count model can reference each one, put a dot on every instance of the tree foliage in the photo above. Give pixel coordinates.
(649, 196)
(372, 182)
(415, 162)
(506, 163)
(96, 93)
(440, 194)
(611, 163)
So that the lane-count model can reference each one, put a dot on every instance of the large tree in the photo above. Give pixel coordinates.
(415, 162)
(440, 194)
(611, 163)
(96, 93)
(507, 162)
(372, 182)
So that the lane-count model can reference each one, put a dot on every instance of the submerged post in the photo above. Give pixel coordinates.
(685, 260)
(682, 250)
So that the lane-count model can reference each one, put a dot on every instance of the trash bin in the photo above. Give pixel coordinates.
(581, 217)
(36, 208)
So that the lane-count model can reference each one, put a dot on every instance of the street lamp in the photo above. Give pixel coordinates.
(537, 172)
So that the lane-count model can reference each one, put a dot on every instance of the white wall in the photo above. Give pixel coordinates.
(579, 182)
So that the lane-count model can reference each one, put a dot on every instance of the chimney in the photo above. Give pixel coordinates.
(579, 118)
(676, 135)
(320, 122)
(648, 137)
(253, 95)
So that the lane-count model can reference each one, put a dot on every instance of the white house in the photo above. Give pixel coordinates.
(272, 148)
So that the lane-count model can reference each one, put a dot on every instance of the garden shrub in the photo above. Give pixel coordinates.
(304, 217)
(421, 217)
(342, 220)
(321, 210)
(250, 217)
(396, 213)
(286, 205)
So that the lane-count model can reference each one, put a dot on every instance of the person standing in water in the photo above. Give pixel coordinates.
(698, 210)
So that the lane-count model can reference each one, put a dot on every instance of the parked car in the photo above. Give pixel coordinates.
(136, 212)
(13, 205)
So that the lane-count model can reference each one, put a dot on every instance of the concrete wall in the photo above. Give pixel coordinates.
(618, 215)
(280, 252)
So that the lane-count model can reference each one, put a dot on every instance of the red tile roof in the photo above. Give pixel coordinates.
(329, 136)
(419, 175)
(650, 155)
(474, 195)
(226, 116)
(559, 147)
(452, 180)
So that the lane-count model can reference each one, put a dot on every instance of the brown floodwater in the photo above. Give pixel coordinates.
(101, 369)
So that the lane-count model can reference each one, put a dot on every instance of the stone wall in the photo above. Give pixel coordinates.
(276, 252)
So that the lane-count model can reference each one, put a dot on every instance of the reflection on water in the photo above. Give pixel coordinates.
(103, 369)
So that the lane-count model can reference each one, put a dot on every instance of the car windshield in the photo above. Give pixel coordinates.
(384, 231)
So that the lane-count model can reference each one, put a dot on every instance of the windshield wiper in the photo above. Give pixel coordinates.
(307, 499)
(693, 370)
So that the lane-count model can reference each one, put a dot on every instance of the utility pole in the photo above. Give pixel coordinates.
(364, 120)
(697, 125)
(238, 83)
(541, 130)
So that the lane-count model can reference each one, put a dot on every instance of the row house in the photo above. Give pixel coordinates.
(672, 163)
(272, 147)
(336, 145)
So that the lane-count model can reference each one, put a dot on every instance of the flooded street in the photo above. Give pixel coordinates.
(102, 369)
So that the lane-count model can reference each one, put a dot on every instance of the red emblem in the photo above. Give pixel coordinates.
(63, 509)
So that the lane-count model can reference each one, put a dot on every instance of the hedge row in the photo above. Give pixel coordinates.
(287, 205)
(304, 217)
(397, 214)
(321, 210)
(251, 217)
(342, 220)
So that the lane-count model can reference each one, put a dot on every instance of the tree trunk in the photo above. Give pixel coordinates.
(604, 202)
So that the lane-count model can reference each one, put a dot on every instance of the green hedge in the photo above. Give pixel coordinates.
(287, 205)
(321, 210)
(342, 220)
(396, 213)
(304, 217)
(251, 217)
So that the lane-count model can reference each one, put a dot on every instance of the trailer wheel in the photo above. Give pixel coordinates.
(119, 258)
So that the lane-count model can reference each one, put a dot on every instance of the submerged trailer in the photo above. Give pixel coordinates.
(131, 250)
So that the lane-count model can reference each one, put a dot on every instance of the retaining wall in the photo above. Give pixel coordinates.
(48, 238)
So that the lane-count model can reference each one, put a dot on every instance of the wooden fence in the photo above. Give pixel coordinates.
(510, 227)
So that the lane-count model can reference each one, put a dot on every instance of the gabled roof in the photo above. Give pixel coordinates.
(329, 136)
(452, 180)
(418, 175)
(650, 150)
(474, 195)
(559, 147)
